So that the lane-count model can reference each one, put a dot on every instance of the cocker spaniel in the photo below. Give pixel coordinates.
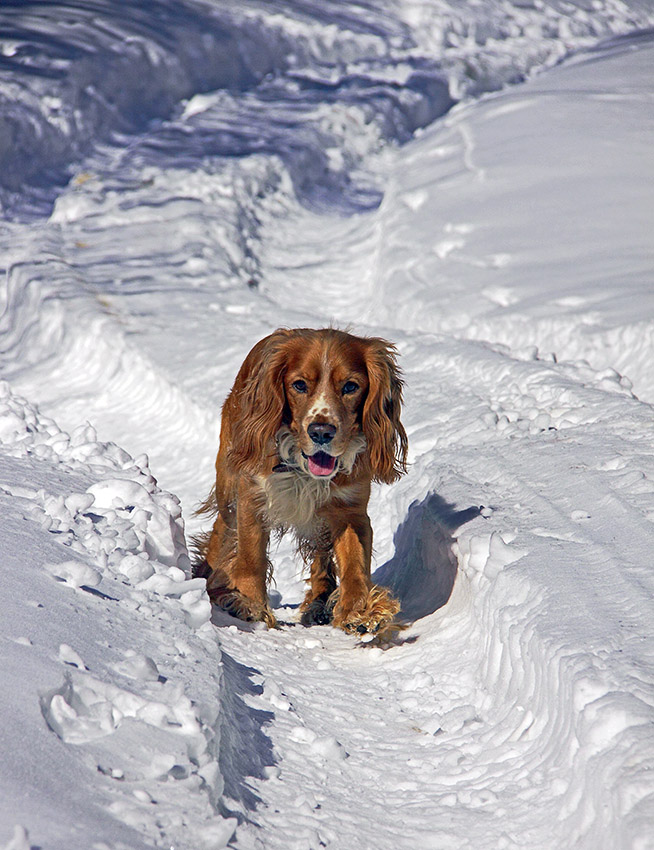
(312, 419)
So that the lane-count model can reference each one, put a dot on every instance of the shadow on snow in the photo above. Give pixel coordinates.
(423, 569)
(245, 749)
(421, 573)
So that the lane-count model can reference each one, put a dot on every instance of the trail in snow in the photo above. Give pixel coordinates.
(508, 208)
(470, 716)
(510, 243)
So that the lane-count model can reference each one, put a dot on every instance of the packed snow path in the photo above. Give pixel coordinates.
(516, 710)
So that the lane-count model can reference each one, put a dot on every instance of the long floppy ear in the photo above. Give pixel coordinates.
(256, 403)
(385, 435)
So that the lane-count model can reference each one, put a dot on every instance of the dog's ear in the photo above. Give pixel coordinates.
(385, 435)
(257, 402)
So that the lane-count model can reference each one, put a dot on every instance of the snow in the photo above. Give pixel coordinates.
(296, 165)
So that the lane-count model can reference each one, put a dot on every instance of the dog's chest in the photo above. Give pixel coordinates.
(291, 500)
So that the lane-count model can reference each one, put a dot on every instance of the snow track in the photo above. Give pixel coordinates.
(490, 705)
(510, 261)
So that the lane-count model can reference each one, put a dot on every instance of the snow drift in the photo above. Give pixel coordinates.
(177, 181)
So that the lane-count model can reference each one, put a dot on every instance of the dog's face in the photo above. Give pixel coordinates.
(323, 396)
(325, 387)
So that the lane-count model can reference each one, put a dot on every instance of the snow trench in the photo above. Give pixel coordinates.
(180, 82)
(259, 82)
(178, 179)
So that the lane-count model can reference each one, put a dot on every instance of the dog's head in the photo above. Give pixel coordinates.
(326, 395)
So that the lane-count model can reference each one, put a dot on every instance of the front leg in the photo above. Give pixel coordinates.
(239, 579)
(362, 606)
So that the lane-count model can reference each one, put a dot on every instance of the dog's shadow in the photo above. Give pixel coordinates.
(423, 570)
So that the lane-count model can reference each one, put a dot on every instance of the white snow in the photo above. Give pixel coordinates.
(510, 260)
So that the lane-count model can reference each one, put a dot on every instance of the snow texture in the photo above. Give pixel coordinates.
(471, 181)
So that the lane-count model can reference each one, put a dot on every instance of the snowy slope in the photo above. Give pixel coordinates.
(505, 248)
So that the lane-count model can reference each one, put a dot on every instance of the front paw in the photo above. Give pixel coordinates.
(242, 607)
(375, 613)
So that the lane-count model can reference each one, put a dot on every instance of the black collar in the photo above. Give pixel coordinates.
(282, 467)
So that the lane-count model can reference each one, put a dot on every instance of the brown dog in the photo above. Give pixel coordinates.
(312, 419)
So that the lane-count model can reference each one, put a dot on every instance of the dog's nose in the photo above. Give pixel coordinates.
(321, 433)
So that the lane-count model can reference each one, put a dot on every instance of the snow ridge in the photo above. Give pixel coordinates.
(124, 547)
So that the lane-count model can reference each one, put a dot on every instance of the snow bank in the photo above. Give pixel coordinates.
(522, 219)
(95, 591)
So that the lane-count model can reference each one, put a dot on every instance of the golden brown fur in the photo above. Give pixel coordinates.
(312, 419)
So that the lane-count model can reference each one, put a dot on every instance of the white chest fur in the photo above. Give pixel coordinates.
(292, 496)
(292, 500)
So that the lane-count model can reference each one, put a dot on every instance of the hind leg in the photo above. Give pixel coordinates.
(316, 610)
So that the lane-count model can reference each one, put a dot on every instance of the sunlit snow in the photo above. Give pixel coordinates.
(472, 181)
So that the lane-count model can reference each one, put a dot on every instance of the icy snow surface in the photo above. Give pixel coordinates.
(472, 181)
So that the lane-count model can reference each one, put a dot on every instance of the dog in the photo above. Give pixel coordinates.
(312, 420)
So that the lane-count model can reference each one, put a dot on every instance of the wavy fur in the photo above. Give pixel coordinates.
(312, 419)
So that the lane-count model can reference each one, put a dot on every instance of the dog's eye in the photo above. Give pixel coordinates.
(350, 387)
(300, 386)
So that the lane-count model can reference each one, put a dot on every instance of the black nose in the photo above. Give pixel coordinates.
(321, 433)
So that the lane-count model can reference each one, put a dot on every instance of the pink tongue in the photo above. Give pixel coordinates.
(321, 464)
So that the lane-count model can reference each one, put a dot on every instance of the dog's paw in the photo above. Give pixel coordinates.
(317, 612)
(242, 607)
(375, 615)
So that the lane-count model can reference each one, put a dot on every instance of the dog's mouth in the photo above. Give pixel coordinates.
(321, 464)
